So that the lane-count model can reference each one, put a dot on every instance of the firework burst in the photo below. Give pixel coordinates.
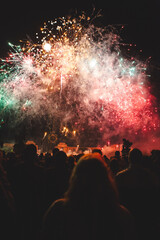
(76, 72)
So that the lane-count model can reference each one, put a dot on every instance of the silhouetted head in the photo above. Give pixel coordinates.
(71, 161)
(60, 159)
(97, 151)
(155, 156)
(30, 153)
(135, 157)
(91, 181)
(114, 165)
(54, 151)
(18, 148)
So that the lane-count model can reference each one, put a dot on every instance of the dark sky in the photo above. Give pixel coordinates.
(142, 20)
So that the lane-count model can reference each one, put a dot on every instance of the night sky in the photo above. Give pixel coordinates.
(141, 19)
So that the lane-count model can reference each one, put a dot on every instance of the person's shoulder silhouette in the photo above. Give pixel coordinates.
(90, 207)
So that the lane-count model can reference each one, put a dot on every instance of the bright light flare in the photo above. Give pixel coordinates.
(92, 63)
(47, 47)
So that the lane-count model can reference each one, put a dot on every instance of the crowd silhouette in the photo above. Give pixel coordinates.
(84, 196)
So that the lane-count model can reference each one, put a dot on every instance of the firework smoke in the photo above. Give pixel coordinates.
(76, 72)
